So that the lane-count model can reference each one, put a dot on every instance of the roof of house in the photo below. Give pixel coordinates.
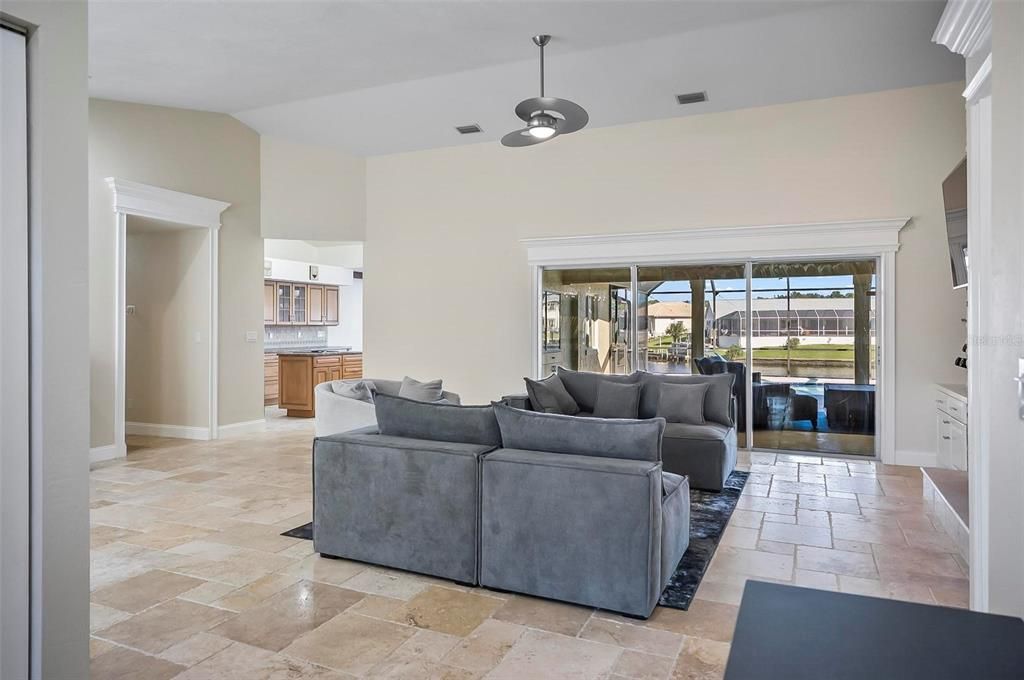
(668, 310)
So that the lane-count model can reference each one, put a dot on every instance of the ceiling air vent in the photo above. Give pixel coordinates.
(692, 97)
(468, 129)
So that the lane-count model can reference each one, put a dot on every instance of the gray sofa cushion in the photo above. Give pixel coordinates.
(362, 390)
(400, 417)
(617, 400)
(670, 482)
(705, 453)
(717, 401)
(627, 439)
(421, 391)
(550, 396)
(682, 403)
(582, 385)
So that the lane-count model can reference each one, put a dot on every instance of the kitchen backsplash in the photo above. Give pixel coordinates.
(276, 337)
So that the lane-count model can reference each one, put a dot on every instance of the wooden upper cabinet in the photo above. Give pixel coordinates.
(299, 301)
(306, 304)
(331, 306)
(315, 307)
(284, 302)
(269, 305)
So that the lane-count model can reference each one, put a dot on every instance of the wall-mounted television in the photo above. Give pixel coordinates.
(954, 195)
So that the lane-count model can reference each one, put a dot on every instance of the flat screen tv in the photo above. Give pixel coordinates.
(954, 195)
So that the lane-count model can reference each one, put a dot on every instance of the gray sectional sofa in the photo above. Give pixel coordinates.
(700, 434)
(566, 508)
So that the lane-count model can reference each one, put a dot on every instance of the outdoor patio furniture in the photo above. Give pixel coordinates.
(850, 408)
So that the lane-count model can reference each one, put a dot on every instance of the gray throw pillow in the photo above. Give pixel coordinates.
(421, 391)
(617, 400)
(360, 391)
(400, 417)
(717, 401)
(625, 439)
(550, 396)
(583, 385)
(682, 403)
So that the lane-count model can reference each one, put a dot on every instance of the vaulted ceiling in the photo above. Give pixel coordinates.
(387, 76)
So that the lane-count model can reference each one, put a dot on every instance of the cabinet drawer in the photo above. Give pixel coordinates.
(326, 361)
(951, 405)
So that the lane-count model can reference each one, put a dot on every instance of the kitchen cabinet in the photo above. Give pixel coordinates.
(951, 426)
(300, 373)
(269, 305)
(284, 303)
(270, 379)
(293, 303)
(299, 301)
(332, 306)
(315, 308)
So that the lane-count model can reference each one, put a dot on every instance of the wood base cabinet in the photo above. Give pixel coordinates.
(270, 379)
(300, 374)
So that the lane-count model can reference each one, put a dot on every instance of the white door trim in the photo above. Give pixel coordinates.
(143, 200)
(857, 238)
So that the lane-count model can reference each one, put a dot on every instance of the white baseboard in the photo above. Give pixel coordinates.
(916, 458)
(100, 454)
(242, 428)
(160, 430)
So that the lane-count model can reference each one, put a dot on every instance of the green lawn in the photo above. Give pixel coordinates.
(809, 352)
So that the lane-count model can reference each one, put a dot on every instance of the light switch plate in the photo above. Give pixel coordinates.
(250, 336)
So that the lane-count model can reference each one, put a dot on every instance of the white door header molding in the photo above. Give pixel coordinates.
(965, 25)
(821, 239)
(135, 198)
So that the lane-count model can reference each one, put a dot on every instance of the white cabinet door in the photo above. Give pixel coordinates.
(944, 459)
(958, 444)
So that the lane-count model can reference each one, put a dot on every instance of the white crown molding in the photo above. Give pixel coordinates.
(134, 198)
(979, 81)
(722, 243)
(965, 25)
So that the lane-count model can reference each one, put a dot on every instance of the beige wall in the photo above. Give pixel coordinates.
(167, 281)
(207, 154)
(58, 158)
(443, 226)
(311, 192)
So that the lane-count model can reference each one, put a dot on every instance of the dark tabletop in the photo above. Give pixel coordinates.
(789, 633)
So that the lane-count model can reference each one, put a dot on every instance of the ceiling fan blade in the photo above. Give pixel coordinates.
(523, 138)
(575, 117)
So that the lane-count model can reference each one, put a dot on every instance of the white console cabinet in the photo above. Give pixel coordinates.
(951, 426)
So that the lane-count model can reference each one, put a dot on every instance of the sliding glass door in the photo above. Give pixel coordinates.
(799, 336)
(587, 318)
(813, 340)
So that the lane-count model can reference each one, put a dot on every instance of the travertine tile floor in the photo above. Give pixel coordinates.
(191, 579)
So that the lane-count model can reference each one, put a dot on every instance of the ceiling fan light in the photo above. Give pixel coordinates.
(541, 131)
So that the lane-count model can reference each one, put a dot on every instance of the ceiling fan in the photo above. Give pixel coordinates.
(545, 117)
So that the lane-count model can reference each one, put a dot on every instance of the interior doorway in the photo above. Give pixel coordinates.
(163, 209)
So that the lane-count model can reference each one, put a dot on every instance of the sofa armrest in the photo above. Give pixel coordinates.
(582, 529)
(520, 401)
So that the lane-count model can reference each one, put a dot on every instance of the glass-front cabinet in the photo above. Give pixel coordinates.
(284, 303)
(299, 303)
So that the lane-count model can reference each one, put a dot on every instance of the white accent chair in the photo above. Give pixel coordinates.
(339, 413)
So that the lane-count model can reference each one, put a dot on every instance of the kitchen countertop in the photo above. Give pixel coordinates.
(311, 351)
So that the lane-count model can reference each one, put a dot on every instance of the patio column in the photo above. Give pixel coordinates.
(696, 322)
(861, 329)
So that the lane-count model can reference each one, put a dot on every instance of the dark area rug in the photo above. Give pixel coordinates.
(709, 514)
(305, 531)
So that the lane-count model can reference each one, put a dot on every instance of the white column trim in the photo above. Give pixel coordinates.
(179, 210)
(857, 238)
